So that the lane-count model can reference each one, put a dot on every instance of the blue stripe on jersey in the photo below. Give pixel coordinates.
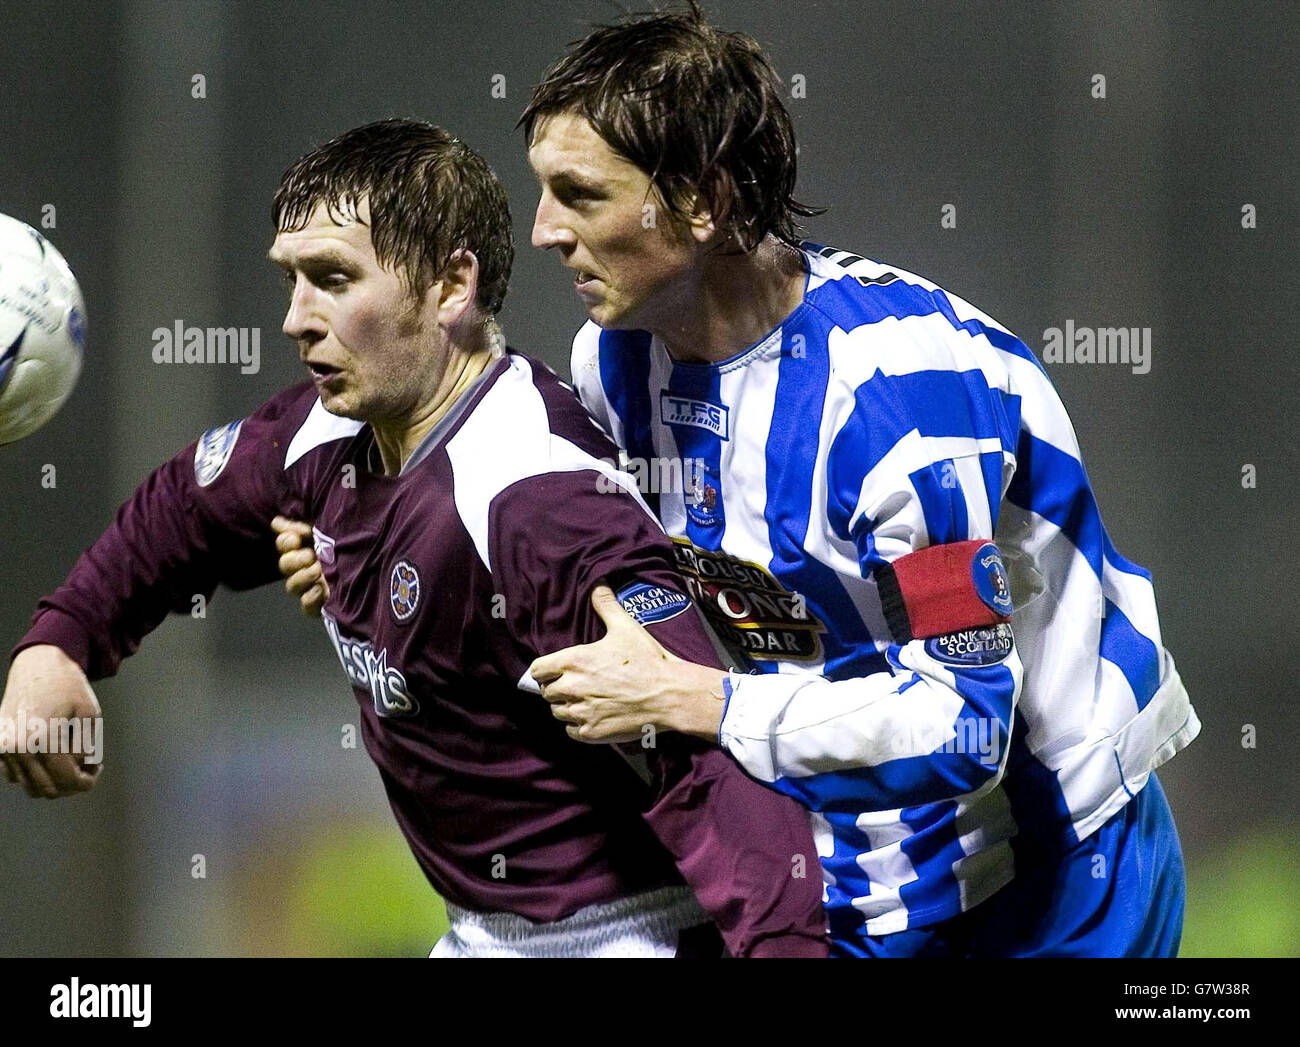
(943, 502)
(850, 881)
(901, 299)
(933, 849)
(1135, 655)
(988, 692)
(959, 404)
(991, 466)
(1009, 343)
(1119, 563)
(1052, 483)
(791, 443)
(700, 382)
(1034, 792)
(625, 375)
(935, 403)
(955, 403)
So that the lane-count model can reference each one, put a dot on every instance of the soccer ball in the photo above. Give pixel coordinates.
(42, 330)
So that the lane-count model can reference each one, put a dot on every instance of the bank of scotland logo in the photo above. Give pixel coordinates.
(649, 604)
(404, 590)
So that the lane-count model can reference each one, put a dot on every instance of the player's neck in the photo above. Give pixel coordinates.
(466, 364)
(734, 302)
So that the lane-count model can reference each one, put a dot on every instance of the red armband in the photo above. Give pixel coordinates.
(944, 589)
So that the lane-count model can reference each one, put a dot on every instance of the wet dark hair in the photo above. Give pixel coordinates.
(429, 196)
(698, 109)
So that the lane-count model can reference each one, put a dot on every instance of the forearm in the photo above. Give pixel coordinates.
(888, 740)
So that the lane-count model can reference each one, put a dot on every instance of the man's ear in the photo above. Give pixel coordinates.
(457, 286)
(699, 219)
(707, 211)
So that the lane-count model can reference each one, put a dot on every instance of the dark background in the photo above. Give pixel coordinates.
(223, 735)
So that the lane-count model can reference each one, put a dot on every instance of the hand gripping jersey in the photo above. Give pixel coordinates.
(446, 581)
(884, 416)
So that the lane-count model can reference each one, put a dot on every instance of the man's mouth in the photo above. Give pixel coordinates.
(324, 375)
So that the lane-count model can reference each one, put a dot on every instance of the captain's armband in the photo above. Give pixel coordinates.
(956, 597)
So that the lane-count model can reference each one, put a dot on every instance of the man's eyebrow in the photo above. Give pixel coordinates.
(327, 257)
(573, 180)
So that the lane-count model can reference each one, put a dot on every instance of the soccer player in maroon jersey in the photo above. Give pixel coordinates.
(463, 511)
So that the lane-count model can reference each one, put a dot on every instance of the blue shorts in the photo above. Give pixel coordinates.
(1119, 892)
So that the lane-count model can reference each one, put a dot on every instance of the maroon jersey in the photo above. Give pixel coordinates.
(446, 581)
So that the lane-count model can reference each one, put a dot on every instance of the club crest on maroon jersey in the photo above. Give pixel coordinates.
(404, 590)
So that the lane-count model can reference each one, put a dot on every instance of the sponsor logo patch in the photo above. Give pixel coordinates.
(369, 671)
(682, 410)
(752, 614)
(213, 452)
(982, 646)
(404, 590)
(649, 604)
(324, 546)
(990, 578)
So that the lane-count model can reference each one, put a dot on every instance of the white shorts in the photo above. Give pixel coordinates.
(642, 925)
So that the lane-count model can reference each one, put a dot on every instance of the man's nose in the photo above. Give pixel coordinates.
(548, 228)
(298, 321)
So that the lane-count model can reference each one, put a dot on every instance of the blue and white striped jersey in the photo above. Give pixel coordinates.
(883, 416)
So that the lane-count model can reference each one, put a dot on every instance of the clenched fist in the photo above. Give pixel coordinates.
(45, 685)
(298, 564)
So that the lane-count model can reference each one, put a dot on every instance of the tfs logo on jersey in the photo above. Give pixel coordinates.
(681, 410)
(371, 672)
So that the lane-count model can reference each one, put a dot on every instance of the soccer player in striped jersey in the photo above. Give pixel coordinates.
(938, 649)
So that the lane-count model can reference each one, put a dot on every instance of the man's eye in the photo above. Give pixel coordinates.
(287, 278)
(333, 280)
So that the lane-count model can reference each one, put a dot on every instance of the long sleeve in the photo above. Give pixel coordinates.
(746, 852)
(200, 520)
(936, 724)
